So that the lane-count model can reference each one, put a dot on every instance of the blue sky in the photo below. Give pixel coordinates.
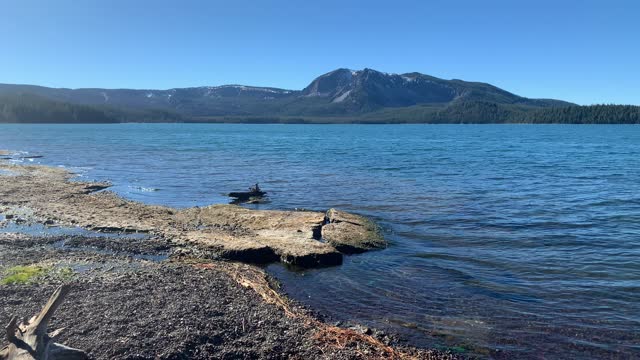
(581, 51)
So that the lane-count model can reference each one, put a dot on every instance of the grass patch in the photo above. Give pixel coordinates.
(22, 274)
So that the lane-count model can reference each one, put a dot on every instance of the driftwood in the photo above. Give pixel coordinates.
(30, 339)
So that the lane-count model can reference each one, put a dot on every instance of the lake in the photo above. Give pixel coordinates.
(505, 240)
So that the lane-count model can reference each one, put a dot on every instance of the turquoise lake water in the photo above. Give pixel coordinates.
(505, 240)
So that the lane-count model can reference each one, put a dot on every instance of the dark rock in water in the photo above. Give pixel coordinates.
(247, 194)
(253, 196)
(350, 233)
(251, 200)
(95, 187)
(313, 259)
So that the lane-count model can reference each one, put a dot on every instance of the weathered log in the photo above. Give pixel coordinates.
(30, 339)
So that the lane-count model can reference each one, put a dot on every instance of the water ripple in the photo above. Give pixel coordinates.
(508, 241)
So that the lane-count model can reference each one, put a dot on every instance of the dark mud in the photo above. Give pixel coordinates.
(123, 306)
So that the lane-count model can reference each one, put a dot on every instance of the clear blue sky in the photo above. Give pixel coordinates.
(582, 51)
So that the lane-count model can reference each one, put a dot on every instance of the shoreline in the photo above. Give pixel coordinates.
(109, 274)
(121, 307)
(329, 123)
(45, 194)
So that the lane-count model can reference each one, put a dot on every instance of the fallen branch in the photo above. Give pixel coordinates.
(253, 278)
(30, 339)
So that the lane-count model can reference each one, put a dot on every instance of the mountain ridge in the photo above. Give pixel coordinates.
(365, 95)
(358, 91)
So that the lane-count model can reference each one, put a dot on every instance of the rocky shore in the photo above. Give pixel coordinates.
(45, 194)
(122, 306)
(168, 284)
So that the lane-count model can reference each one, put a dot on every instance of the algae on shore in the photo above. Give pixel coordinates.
(23, 274)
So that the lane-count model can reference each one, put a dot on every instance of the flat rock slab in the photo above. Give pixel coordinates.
(233, 232)
(285, 235)
(350, 233)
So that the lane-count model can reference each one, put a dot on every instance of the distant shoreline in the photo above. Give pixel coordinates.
(307, 123)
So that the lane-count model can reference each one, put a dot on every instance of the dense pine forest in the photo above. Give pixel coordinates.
(28, 108)
(485, 112)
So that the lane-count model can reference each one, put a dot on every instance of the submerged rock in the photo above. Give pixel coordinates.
(350, 233)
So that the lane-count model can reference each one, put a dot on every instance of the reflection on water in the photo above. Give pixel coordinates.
(506, 240)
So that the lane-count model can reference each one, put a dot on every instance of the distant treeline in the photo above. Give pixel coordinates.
(594, 114)
(28, 108)
(484, 112)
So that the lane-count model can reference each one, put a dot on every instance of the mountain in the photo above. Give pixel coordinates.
(340, 92)
(342, 95)
(368, 89)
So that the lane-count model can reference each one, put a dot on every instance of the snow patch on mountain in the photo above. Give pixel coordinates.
(212, 89)
(342, 97)
(408, 78)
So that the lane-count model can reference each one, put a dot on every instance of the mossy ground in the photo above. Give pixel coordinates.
(23, 274)
(29, 274)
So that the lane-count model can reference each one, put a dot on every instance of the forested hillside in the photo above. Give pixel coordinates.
(340, 96)
(29, 108)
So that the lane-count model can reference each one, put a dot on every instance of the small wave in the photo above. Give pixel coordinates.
(616, 202)
(143, 189)
(449, 257)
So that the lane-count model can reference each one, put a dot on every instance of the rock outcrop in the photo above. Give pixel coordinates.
(262, 235)
(350, 233)
(47, 195)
